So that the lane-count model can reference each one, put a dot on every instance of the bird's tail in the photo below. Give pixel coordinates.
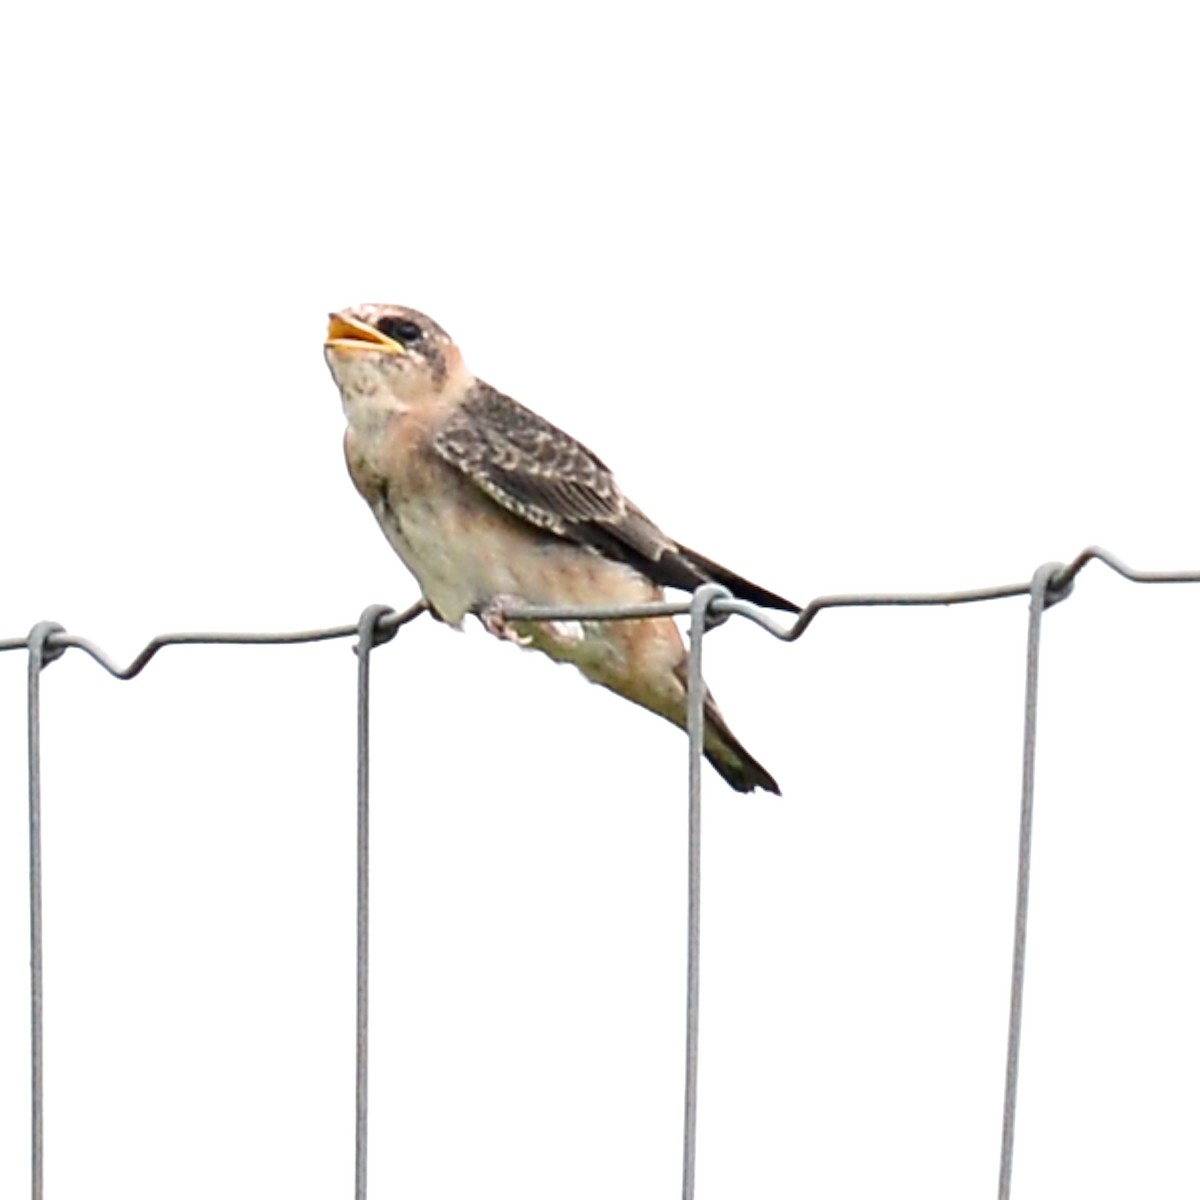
(733, 762)
(634, 659)
(743, 589)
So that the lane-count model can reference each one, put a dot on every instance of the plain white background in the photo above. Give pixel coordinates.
(853, 297)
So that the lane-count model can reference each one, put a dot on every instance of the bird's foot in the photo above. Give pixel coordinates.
(495, 621)
(566, 633)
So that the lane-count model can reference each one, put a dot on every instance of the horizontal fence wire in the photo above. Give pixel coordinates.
(711, 605)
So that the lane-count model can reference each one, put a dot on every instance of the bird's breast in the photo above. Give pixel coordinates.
(464, 549)
(422, 509)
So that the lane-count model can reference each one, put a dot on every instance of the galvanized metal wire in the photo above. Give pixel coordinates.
(1038, 596)
(711, 605)
(702, 602)
(38, 657)
(377, 624)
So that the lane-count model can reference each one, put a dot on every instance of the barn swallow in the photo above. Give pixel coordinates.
(493, 508)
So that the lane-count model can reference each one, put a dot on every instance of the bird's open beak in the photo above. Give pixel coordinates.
(349, 333)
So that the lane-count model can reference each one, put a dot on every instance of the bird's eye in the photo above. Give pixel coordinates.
(399, 329)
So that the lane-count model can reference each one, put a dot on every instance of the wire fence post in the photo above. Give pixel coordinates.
(40, 655)
(369, 636)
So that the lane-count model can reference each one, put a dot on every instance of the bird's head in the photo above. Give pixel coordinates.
(388, 357)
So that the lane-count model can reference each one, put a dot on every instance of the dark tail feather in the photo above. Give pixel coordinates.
(733, 762)
(711, 572)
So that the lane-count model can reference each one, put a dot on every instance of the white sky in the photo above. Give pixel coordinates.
(852, 297)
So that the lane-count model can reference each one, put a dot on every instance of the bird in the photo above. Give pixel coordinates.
(493, 508)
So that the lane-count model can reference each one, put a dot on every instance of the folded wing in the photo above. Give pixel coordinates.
(544, 476)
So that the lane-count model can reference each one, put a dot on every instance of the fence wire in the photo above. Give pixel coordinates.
(711, 605)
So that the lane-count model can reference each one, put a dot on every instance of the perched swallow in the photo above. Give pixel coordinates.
(493, 508)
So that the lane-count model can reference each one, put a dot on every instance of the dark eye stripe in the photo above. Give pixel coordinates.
(399, 330)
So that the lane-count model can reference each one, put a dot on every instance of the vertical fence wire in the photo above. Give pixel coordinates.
(362, 944)
(35, 918)
(701, 602)
(39, 655)
(369, 636)
(1037, 607)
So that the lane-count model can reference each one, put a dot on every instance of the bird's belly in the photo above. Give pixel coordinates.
(430, 542)
(465, 558)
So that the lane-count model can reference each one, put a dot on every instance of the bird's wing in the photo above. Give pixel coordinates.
(544, 476)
